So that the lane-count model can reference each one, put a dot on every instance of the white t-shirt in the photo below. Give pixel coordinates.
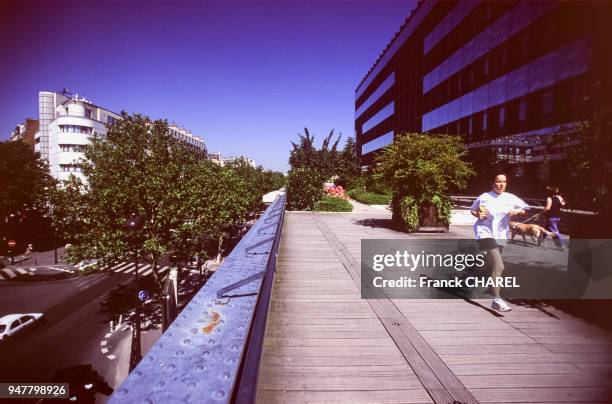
(496, 224)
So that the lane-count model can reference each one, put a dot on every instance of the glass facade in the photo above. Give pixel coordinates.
(377, 143)
(380, 116)
(504, 75)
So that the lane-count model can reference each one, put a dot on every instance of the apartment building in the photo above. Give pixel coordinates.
(507, 76)
(67, 122)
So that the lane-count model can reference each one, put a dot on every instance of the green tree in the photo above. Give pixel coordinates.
(304, 188)
(309, 169)
(325, 160)
(590, 162)
(424, 168)
(138, 168)
(258, 180)
(24, 181)
(349, 165)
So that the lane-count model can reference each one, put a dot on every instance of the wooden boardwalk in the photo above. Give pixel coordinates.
(324, 344)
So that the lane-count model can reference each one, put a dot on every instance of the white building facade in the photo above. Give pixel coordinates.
(67, 123)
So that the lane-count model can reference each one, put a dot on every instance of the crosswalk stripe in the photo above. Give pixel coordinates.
(147, 272)
(10, 273)
(118, 265)
(130, 268)
(21, 271)
(141, 269)
(123, 266)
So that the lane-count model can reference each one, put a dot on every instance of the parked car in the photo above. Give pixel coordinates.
(13, 324)
(87, 264)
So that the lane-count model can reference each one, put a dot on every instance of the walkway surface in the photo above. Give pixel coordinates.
(325, 344)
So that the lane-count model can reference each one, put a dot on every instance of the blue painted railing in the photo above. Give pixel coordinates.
(211, 352)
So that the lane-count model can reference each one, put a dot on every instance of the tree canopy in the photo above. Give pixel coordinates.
(181, 199)
(24, 185)
(310, 167)
(590, 160)
(424, 165)
(24, 178)
(258, 180)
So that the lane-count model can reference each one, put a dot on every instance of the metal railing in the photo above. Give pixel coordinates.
(212, 351)
(534, 204)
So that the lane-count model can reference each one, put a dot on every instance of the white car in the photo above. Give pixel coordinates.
(85, 264)
(12, 324)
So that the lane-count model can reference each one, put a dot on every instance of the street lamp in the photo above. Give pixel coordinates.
(133, 224)
(53, 236)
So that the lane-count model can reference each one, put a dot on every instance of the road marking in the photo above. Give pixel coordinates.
(124, 266)
(10, 273)
(118, 265)
(21, 271)
(111, 357)
(108, 335)
(103, 343)
(142, 269)
(104, 350)
(33, 269)
(60, 269)
(133, 267)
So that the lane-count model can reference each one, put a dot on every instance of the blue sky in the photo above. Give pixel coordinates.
(247, 76)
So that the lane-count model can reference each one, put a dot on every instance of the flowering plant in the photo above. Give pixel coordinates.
(337, 191)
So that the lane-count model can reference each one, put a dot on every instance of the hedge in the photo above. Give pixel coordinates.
(333, 204)
(369, 197)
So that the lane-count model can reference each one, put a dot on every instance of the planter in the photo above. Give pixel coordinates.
(429, 219)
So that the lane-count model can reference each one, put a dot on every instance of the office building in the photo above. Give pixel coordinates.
(507, 76)
(67, 122)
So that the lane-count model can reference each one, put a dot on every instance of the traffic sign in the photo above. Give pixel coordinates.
(143, 295)
(11, 243)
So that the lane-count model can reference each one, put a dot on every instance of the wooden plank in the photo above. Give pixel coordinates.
(513, 368)
(348, 397)
(339, 371)
(451, 359)
(284, 333)
(538, 395)
(579, 348)
(333, 383)
(330, 342)
(499, 340)
(471, 349)
(331, 351)
(529, 380)
(337, 360)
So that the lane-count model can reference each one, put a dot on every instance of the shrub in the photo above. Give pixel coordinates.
(333, 204)
(304, 188)
(426, 168)
(410, 213)
(369, 197)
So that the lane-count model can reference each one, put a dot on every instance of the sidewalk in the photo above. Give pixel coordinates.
(36, 258)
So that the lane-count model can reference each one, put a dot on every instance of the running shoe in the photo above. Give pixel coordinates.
(500, 305)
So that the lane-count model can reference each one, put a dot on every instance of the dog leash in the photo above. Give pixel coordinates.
(529, 218)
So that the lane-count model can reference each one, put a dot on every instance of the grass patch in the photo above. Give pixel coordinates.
(333, 204)
(369, 198)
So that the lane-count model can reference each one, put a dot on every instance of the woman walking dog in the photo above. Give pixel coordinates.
(493, 210)
(554, 203)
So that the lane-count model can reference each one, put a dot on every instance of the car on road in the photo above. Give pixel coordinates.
(13, 324)
(88, 264)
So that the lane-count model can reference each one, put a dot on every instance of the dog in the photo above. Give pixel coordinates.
(537, 233)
